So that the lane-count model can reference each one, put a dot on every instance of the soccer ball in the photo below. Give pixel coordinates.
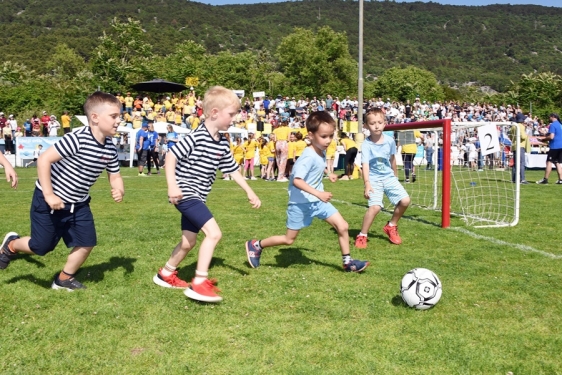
(421, 288)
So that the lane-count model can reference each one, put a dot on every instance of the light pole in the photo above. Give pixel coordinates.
(360, 80)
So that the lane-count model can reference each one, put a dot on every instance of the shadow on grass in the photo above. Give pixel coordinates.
(398, 301)
(188, 272)
(94, 273)
(290, 256)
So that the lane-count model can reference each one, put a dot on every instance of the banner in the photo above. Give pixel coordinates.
(259, 94)
(26, 145)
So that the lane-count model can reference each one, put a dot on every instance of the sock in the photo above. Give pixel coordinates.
(168, 270)
(361, 234)
(200, 277)
(346, 258)
(390, 224)
(257, 244)
(65, 276)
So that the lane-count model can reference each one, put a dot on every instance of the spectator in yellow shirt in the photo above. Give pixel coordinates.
(330, 156)
(238, 152)
(291, 152)
(65, 121)
(250, 152)
(350, 148)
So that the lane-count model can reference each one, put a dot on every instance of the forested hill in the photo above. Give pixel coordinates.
(490, 44)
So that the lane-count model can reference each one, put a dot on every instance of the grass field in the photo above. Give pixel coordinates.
(297, 314)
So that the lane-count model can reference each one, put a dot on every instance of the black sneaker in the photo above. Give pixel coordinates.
(6, 255)
(559, 182)
(524, 182)
(70, 284)
(544, 181)
(413, 177)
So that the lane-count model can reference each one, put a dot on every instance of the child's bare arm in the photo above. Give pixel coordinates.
(44, 173)
(117, 186)
(252, 197)
(174, 192)
(393, 165)
(324, 196)
(9, 171)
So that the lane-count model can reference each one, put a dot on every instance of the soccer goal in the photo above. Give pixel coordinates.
(469, 175)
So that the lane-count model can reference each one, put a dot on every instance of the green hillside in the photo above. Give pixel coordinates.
(490, 45)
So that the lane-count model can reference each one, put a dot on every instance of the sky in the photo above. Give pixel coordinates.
(548, 3)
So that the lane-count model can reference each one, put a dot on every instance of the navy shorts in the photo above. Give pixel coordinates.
(74, 224)
(194, 215)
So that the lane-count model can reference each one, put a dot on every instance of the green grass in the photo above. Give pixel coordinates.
(298, 313)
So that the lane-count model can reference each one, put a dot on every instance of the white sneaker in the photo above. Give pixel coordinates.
(253, 178)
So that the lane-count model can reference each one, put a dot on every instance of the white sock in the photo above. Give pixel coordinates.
(200, 277)
(167, 270)
(361, 234)
(390, 224)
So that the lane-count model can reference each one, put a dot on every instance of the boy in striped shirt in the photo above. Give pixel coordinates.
(61, 201)
(191, 169)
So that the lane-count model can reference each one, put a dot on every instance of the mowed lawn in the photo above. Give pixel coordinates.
(297, 314)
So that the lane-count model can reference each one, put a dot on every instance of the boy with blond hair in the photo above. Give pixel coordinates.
(191, 169)
(380, 176)
(61, 201)
(307, 198)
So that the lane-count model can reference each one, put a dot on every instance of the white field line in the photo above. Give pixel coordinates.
(493, 240)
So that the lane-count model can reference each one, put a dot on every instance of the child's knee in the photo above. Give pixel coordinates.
(289, 240)
(214, 235)
(405, 202)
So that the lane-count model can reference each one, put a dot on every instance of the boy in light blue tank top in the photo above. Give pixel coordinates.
(307, 198)
(379, 173)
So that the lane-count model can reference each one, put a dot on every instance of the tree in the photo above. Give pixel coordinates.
(122, 56)
(317, 64)
(407, 83)
(65, 62)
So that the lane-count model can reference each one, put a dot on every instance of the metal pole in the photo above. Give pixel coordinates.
(360, 80)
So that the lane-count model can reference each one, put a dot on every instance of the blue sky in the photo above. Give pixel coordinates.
(548, 3)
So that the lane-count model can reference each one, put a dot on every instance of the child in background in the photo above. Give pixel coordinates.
(380, 176)
(330, 155)
(191, 169)
(264, 154)
(36, 153)
(307, 198)
(250, 152)
(300, 145)
(61, 201)
(238, 153)
(271, 158)
(291, 152)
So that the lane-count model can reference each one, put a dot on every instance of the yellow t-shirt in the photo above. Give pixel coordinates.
(282, 133)
(264, 154)
(137, 122)
(348, 143)
(129, 101)
(168, 104)
(250, 147)
(271, 146)
(299, 147)
(178, 118)
(303, 131)
(191, 101)
(65, 120)
(291, 150)
(170, 116)
(157, 107)
(238, 153)
(127, 117)
(195, 123)
(331, 150)
(412, 148)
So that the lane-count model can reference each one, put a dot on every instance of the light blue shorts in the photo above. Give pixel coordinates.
(391, 187)
(300, 215)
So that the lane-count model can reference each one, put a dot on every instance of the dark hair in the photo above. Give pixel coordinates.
(98, 98)
(374, 111)
(298, 135)
(555, 115)
(318, 118)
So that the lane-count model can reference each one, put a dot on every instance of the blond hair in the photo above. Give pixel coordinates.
(220, 98)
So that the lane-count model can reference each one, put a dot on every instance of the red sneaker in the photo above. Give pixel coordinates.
(172, 281)
(361, 242)
(204, 292)
(392, 233)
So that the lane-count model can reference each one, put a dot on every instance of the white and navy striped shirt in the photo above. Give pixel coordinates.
(83, 160)
(198, 157)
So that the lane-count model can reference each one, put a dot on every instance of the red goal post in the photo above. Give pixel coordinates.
(444, 124)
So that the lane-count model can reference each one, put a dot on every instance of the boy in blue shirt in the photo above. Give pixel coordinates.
(307, 198)
(380, 176)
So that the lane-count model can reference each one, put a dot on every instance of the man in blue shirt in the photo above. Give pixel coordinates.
(266, 105)
(142, 146)
(554, 155)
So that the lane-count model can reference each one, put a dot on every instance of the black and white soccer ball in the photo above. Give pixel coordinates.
(421, 288)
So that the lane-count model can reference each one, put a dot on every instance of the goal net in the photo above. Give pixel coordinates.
(464, 170)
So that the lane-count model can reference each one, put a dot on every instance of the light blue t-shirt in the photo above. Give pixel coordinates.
(556, 129)
(378, 157)
(310, 168)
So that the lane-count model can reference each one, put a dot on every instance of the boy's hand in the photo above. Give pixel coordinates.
(174, 194)
(254, 200)
(11, 176)
(325, 196)
(368, 191)
(333, 177)
(117, 195)
(54, 202)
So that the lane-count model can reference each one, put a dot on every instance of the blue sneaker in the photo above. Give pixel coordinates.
(253, 253)
(5, 254)
(355, 266)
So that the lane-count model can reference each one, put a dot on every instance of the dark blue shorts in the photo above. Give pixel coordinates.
(76, 228)
(194, 215)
